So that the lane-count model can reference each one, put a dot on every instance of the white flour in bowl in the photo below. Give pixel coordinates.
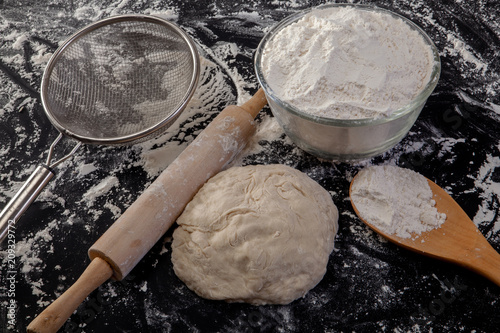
(347, 63)
(395, 200)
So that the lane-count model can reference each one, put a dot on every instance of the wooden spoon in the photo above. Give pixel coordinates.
(457, 240)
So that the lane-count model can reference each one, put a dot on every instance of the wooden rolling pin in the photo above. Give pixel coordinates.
(126, 242)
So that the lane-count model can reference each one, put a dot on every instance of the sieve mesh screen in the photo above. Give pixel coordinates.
(118, 81)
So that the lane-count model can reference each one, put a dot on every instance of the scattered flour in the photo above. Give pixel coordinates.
(101, 189)
(489, 186)
(149, 157)
(395, 200)
(342, 62)
(86, 169)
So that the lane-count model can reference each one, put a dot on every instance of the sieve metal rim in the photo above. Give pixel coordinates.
(165, 123)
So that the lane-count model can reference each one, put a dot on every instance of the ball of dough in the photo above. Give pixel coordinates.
(256, 234)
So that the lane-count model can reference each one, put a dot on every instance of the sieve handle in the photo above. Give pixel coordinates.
(23, 199)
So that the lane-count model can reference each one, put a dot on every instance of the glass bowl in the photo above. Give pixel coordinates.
(345, 139)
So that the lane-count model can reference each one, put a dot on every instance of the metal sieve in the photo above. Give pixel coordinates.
(121, 80)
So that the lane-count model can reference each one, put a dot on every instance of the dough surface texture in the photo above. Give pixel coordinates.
(257, 234)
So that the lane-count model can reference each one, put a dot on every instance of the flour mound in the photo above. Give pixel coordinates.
(256, 234)
(395, 200)
(347, 63)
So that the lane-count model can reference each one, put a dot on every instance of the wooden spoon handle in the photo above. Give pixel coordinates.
(486, 263)
(56, 314)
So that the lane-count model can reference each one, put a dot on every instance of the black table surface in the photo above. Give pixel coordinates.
(370, 285)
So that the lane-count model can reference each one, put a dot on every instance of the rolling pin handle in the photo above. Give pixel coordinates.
(56, 314)
(255, 104)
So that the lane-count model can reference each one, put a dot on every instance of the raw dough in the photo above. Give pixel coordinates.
(256, 234)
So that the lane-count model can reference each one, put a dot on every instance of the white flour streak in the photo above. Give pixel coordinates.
(487, 182)
(460, 48)
(100, 189)
(85, 169)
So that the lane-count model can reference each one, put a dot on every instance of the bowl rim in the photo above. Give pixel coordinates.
(341, 122)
